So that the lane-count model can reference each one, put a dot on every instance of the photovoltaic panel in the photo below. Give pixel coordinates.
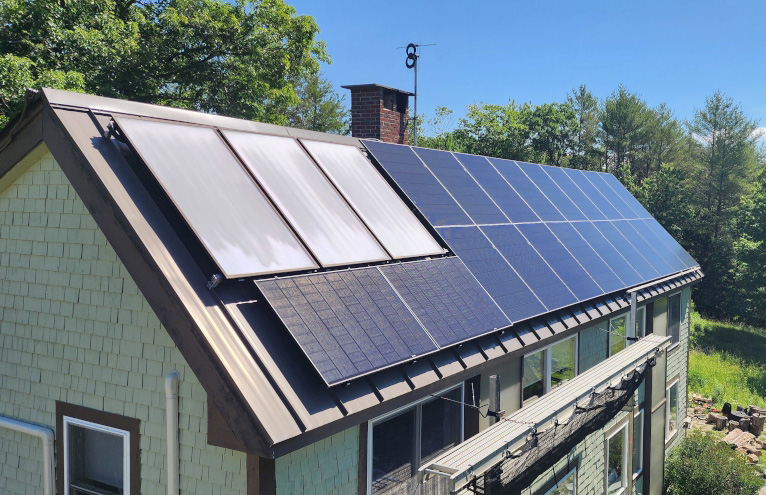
(667, 253)
(504, 195)
(610, 254)
(217, 198)
(493, 272)
(404, 166)
(670, 242)
(552, 191)
(648, 251)
(592, 193)
(597, 179)
(578, 197)
(625, 195)
(588, 257)
(392, 222)
(446, 298)
(563, 263)
(463, 188)
(348, 323)
(530, 266)
(645, 270)
(309, 202)
(527, 189)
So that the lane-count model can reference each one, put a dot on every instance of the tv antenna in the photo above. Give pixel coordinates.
(412, 63)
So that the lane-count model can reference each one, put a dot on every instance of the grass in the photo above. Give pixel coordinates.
(727, 362)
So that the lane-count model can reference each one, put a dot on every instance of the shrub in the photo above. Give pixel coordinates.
(703, 465)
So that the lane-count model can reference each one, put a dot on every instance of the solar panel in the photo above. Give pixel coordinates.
(667, 254)
(645, 270)
(446, 298)
(625, 195)
(597, 179)
(392, 222)
(312, 206)
(588, 257)
(609, 253)
(532, 268)
(574, 193)
(409, 173)
(648, 251)
(461, 186)
(493, 272)
(349, 323)
(592, 193)
(217, 198)
(506, 198)
(552, 191)
(561, 261)
(670, 242)
(527, 189)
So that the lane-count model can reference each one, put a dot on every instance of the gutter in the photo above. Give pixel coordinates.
(45, 435)
(171, 409)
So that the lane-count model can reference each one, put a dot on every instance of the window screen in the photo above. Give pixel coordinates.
(393, 452)
(562, 362)
(638, 442)
(374, 200)
(440, 425)
(641, 322)
(671, 409)
(534, 376)
(674, 318)
(95, 459)
(312, 206)
(567, 486)
(616, 462)
(217, 198)
(617, 335)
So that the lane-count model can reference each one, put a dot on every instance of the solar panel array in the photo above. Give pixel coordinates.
(263, 204)
(353, 322)
(537, 238)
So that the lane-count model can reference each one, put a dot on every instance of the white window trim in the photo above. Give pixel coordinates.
(371, 424)
(125, 435)
(570, 473)
(638, 415)
(668, 435)
(673, 345)
(548, 365)
(622, 425)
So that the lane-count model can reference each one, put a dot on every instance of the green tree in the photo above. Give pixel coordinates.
(243, 59)
(623, 129)
(724, 166)
(750, 251)
(495, 130)
(320, 107)
(553, 131)
(587, 152)
(440, 127)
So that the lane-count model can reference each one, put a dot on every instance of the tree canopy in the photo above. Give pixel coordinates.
(248, 59)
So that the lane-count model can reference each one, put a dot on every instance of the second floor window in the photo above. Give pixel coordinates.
(674, 318)
(548, 368)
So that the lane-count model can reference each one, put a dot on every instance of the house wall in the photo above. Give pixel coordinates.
(510, 388)
(678, 366)
(593, 345)
(329, 466)
(74, 327)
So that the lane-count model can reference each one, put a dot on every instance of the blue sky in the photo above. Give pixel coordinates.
(493, 51)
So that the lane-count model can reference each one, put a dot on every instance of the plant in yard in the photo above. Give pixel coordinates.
(703, 465)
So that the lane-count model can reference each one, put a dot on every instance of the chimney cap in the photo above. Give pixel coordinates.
(375, 85)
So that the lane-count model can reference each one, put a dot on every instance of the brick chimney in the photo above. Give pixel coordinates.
(379, 112)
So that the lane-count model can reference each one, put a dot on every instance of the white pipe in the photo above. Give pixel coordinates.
(171, 409)
(46, 437)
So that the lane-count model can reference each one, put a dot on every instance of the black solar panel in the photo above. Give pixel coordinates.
(597, 179)
(461, 186)
(493, 272)
(348, 323)
(552, 191)
(506, 198)
(592, 193)
(446, 298)
(652, 255)
(625, 195)
(560, 177)
(670, 242)
(531, 266)
(527, 190)
(418, 184)
(645, 269)
(574, 276)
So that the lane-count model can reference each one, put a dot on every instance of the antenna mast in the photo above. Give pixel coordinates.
(412, 63)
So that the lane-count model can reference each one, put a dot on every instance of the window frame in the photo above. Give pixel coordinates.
(675, 340)
(668, 434)
(638, 415)
(610, 335)
(548, 365)
(642, 333)
(417, 406)
(621, 426)
(105, 422)
(557, 485)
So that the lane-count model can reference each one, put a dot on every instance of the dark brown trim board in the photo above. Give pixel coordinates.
(131, 425)
(261, 476)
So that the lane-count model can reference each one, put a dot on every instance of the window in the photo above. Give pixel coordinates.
(99, 450)
(548, 368)
(671, 411)
(401, 442)
(638, 443)
(617, 460)
(567, 486)
(641, 322)
(674, 318)
(617, 334)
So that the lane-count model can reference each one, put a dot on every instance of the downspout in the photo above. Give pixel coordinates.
(46, 437)
(171, 409)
